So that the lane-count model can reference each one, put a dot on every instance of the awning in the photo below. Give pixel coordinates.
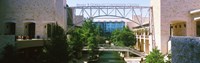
(195, 11)
(196, 18)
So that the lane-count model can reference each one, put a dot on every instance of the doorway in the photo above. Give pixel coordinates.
(30, 29)
(10, 28)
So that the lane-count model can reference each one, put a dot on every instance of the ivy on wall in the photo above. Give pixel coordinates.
(185, 50)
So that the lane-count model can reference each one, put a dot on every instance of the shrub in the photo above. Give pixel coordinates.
(155, 57)
(9, 54)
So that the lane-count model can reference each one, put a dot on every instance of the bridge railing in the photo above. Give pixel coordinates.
(119, 48)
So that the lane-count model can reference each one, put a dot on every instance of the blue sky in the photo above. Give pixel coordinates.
(137, 2)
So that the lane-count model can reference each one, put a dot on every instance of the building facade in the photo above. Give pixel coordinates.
(30, 17)
(109, 24)
(174, 18)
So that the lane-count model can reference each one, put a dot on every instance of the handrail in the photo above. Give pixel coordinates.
(104, 47)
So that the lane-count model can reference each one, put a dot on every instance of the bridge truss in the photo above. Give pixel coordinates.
(131, 13)
(136, 14)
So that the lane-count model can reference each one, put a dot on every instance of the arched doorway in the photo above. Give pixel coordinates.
(30, 29)
(10, 28)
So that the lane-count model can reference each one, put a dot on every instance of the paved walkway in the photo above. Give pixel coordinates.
(133, 60)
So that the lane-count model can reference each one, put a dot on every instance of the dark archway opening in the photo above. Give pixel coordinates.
(30, 28)
(198, 28)
(10, 28)
(49, 29)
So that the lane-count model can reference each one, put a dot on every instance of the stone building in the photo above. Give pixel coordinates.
(144, 43)
(174, 18)
(30, 17)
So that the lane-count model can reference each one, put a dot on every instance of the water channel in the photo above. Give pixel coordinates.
(110, 57)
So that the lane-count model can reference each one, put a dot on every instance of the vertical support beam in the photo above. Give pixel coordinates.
(124, 10)
(144, 40)
(141, 16)
(83, 11)
(99, 11)
(90, 12)
(115, 11)
(107, 11)
(151, 25)
(132, 13)
(140, 38)
(127, 54)
(150, 30)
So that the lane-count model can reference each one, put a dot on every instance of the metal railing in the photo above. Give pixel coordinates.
(107, 47)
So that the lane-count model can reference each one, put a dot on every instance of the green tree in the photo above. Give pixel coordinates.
(169, 58)
(75, 43)
(99, 35)
(155, 57)
(124, 37)
(56, 50)
(89, 34)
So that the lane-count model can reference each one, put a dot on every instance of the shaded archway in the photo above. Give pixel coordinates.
(30, 29)
(178, 28)
(198, 28)
(10, 28)
(48, 29)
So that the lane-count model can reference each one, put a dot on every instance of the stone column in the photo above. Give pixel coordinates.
(150, 43)
(127, 54)
(144, 40)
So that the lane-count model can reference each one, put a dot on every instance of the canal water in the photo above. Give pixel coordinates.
(110, 57)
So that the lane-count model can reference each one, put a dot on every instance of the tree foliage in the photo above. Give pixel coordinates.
(56, 49)
(155, 57)
(67, 47)
(124, 37)
(75, 43)
(91, 35)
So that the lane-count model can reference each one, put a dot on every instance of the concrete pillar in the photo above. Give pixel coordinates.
(127, 54)
(144, 40)
(140, 38)
(151, 43)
